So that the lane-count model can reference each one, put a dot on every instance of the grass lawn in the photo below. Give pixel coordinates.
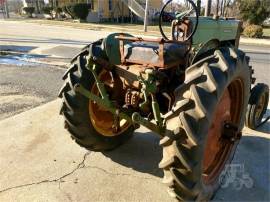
(266, 32)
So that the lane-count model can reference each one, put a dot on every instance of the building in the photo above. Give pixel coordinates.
(115, 10)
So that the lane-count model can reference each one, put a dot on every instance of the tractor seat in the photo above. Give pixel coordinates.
(148, 53)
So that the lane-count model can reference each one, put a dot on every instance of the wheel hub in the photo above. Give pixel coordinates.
(230, 132)
(260, 107)
(104, 122)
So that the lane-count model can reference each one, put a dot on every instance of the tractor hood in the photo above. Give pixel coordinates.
(220, 29)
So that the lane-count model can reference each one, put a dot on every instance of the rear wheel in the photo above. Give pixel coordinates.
(89, 124)
(206, 128)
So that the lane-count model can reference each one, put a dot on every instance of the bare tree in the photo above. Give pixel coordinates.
(208, 8)
(221, 7)
(217, 8)
(6, 9)
(226, 5)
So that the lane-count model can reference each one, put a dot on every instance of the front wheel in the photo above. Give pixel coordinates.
(205, 132)
(257, 105)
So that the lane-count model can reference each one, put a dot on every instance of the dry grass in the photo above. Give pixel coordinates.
(153, 30)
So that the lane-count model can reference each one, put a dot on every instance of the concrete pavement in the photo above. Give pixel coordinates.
(39, 162)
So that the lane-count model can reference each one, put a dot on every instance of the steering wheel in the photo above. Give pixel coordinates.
(179, 18)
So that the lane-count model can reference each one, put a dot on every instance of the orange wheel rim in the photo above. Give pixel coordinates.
(218, 149)
(102, 119)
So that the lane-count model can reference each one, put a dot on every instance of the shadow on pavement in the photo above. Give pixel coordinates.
(16, 48)
(265, 128)
(142, 153)
(253, 160)
(62, 51)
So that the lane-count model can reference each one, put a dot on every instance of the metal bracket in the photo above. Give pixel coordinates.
(230, 132)
(102, 102)
(137, 118)
(149, 88)
(91, 66)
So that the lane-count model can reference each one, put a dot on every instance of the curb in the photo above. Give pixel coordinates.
(261, 42)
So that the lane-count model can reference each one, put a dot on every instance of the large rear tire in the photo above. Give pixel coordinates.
(77, 110)
(215, 92)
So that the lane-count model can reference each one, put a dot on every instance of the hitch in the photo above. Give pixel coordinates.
(137, 118)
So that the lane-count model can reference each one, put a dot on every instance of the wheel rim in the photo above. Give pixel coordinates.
(219, 149)
(101, 119)
(260, 108)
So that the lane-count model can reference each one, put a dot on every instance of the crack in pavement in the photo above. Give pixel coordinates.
(79, 166)
(119, 174)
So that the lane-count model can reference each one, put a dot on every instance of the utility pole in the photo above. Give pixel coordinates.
(146, 16)
(208, 8)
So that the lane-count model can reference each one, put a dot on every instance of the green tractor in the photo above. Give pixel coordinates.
(191, 87)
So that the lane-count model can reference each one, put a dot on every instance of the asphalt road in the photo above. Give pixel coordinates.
(261, 64)
(25, 87)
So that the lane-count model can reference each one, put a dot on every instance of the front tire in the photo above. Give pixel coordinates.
(215, 91)
(257, 105)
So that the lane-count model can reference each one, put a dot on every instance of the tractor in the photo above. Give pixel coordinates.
(191, 87)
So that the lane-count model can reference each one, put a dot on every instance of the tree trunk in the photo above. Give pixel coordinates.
(217, 8)
(37, 5)
(221, 7)
(208, 8)
(6, 9)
